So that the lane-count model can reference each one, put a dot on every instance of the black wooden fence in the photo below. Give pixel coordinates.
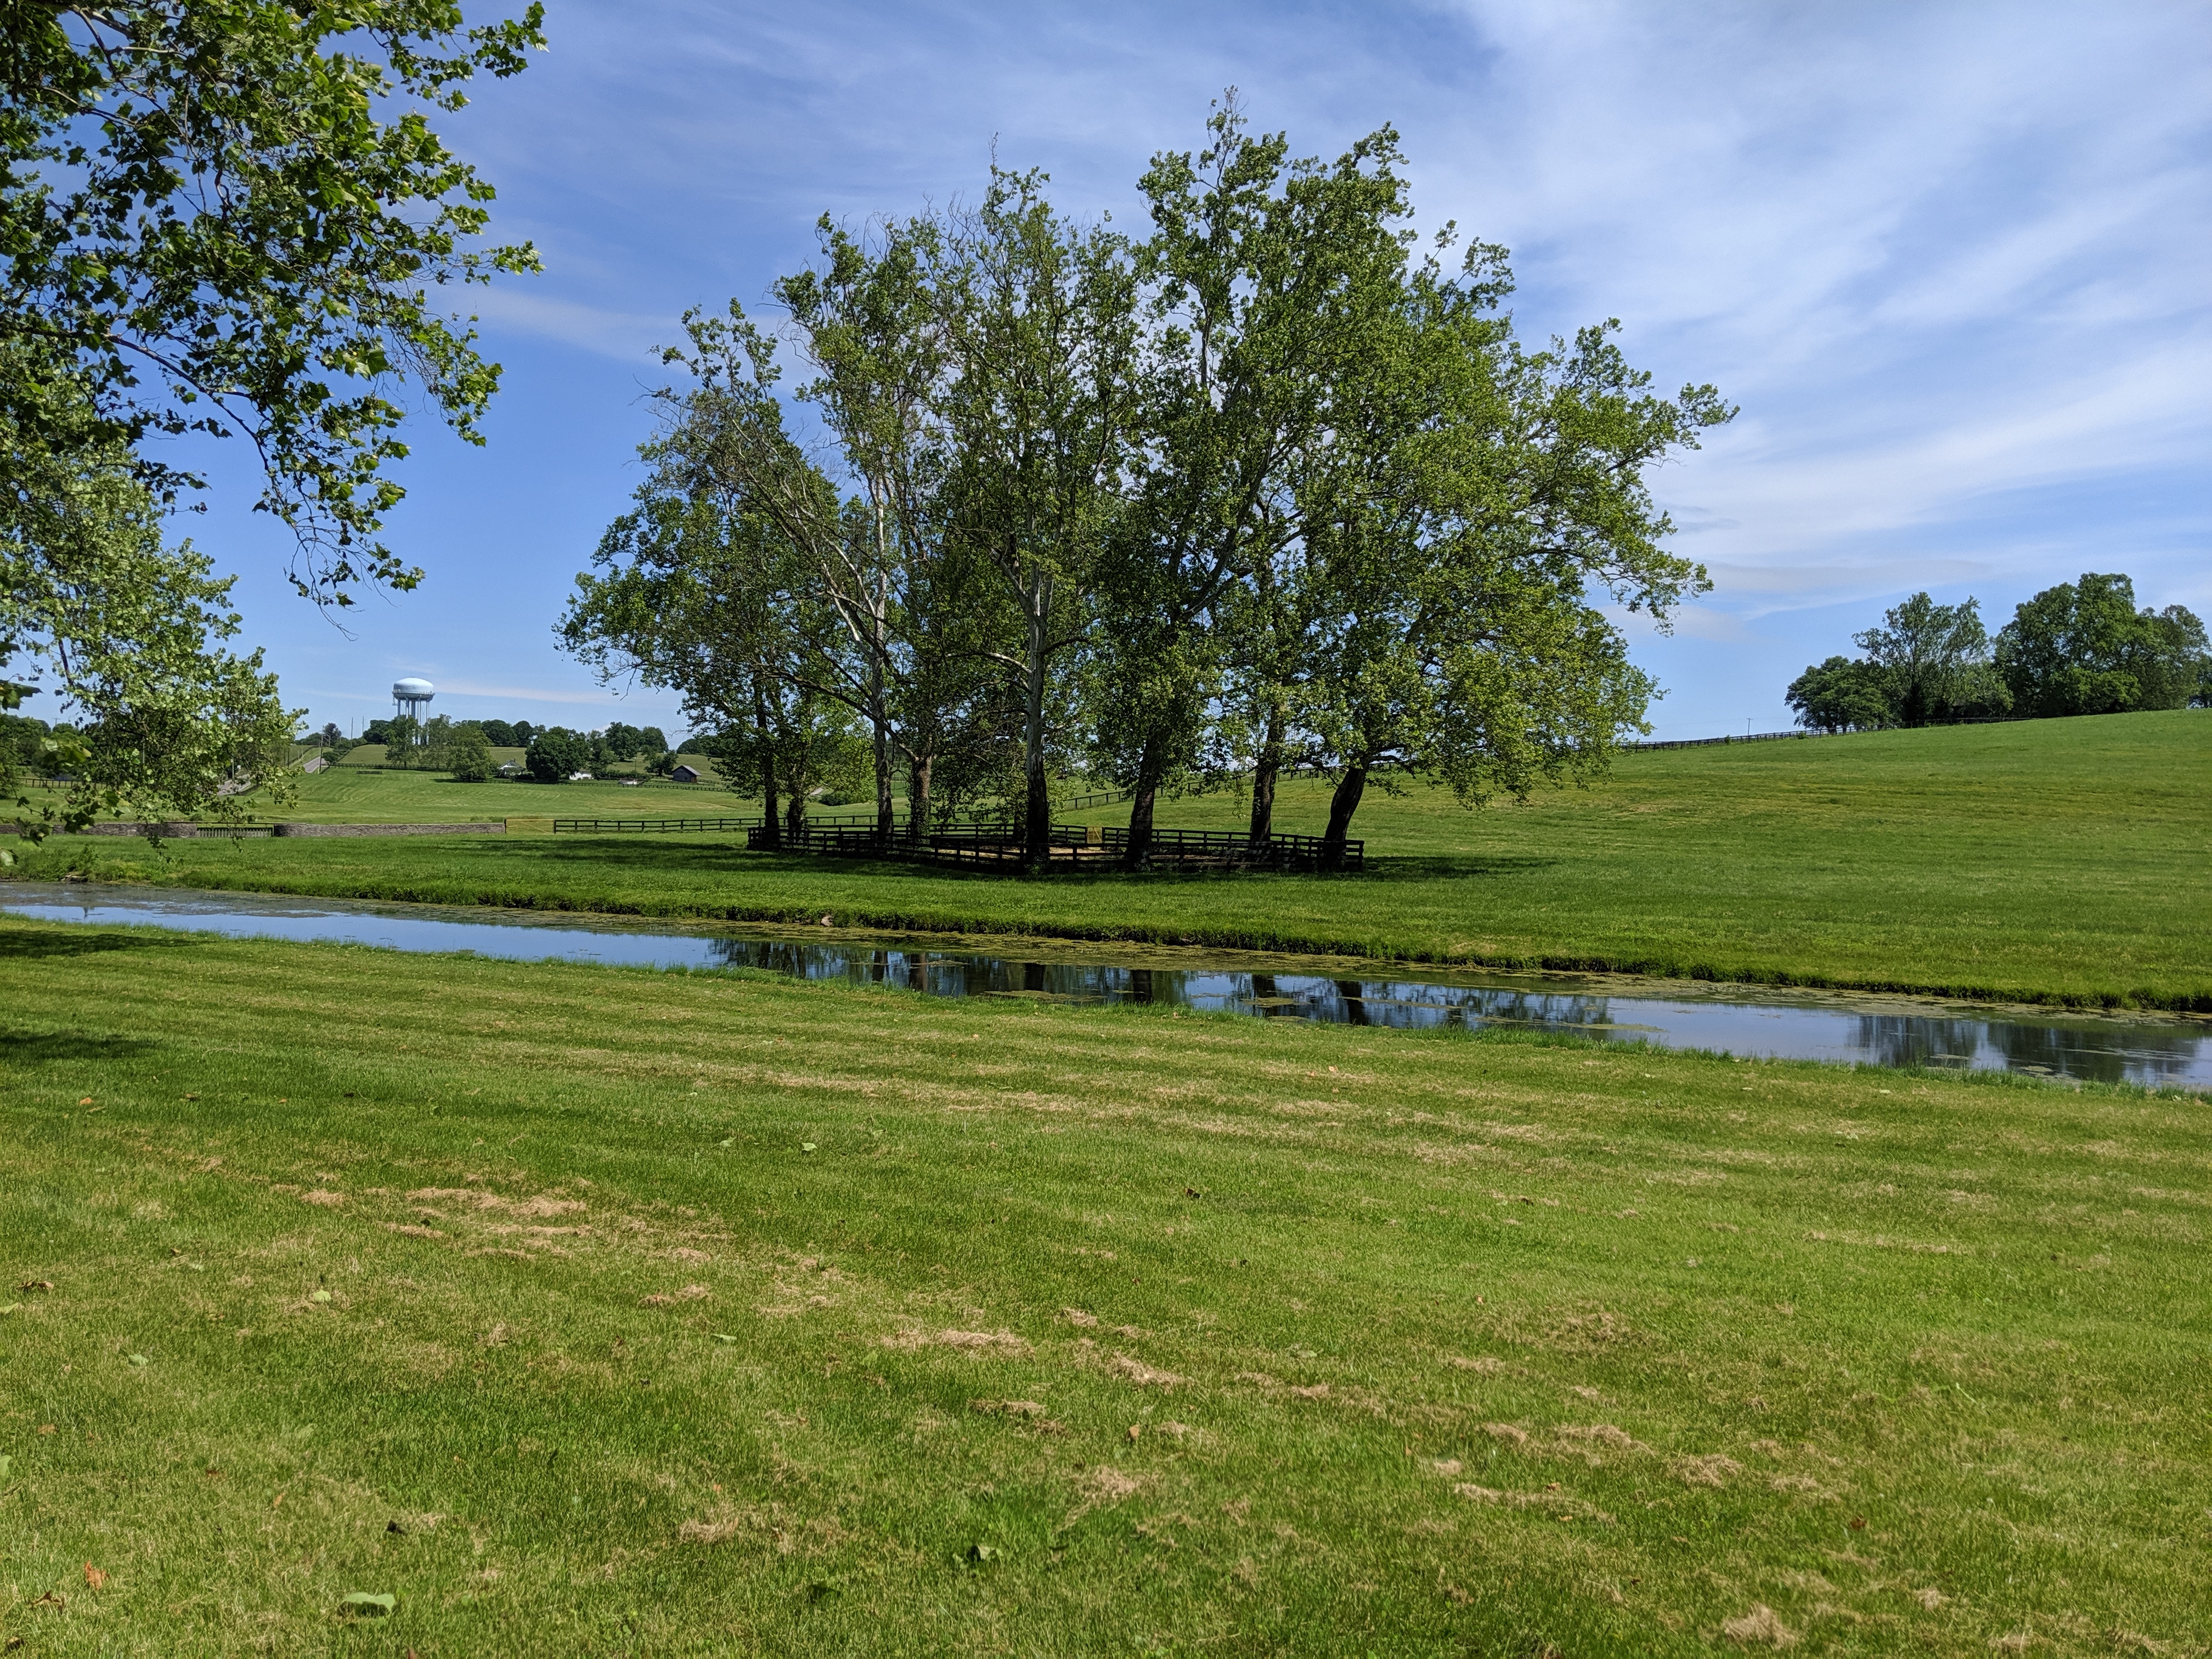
(651, 826)
(1073, 847)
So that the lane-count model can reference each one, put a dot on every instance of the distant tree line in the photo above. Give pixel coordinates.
(2079, 649)
(464, 748)
(1269, 487)
(557, 754)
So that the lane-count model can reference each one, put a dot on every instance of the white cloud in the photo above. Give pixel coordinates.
(527, 693)
(1832, 581)
(626, 335)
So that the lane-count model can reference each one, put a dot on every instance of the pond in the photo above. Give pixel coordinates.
(1745, 1020)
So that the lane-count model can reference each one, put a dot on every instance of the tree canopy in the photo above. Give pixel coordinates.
(133, 633)
(2083, 649)
(228, 221)
(1267, 488)
(231, 220)
(2077, 649)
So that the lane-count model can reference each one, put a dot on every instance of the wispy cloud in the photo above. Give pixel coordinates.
(561, 693)
(628, 337)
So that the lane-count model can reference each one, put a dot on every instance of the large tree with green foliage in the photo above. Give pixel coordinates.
(224, 220)
(1039, 409)
(2084, 648)
(556, 754)
(1264, 280)
(1932, 662)
(231, 219)
(1843, 694)
(133, 635)
(696, 592)
(1481, 503)
(871, 559)
(468, 754)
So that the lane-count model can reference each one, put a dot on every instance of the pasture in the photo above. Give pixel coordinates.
(605, 1311)
(2052, 860)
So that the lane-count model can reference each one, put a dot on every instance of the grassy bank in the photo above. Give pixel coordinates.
(598, 1311)
(2050, 860)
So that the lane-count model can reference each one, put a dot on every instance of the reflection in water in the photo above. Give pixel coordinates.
(1810, 1027)
(2105, 1052)
(2126, 1055)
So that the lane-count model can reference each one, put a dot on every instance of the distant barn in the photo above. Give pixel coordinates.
(686, 775)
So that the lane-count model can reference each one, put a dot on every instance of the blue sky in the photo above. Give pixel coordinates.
(1951, 259)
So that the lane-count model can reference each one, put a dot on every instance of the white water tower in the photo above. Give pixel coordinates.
(412, 697)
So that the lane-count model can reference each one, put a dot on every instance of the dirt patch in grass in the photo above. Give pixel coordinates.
(1761, 1627)
(1003, 1345)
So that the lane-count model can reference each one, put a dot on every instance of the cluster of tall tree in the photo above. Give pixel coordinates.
(2078, 648)
(1270, 486)
(500, 734)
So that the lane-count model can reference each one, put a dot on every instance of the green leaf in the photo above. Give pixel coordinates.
(980, 1553)
(807, 1147)
(369, 1604)
(139, 1359)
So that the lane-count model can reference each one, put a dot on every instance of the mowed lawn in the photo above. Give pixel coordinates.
(2062, 861)
(595, 1311)
(357, 789)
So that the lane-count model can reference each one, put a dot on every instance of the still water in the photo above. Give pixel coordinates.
(1809, 1026)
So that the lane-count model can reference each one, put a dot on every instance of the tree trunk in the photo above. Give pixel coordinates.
(1263, 782)
(1352, 994)
(773, 831)
(1341, 805)
(1139, 853)
(794, 815)
(886, 815)
(1037, 824)
(917, 798)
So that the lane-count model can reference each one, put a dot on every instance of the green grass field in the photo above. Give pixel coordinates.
(2050, 860)
(357, 789)
(366, 793)
(598, 1311)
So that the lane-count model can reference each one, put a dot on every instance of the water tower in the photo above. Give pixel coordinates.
(411, 697)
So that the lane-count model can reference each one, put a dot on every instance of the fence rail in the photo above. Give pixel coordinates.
(1073, 847)
(651, 826)
(1701, 742)
(1775, 737)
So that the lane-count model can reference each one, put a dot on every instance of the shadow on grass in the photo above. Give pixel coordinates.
(34, 942)
(694, 856)
(43, 1047)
